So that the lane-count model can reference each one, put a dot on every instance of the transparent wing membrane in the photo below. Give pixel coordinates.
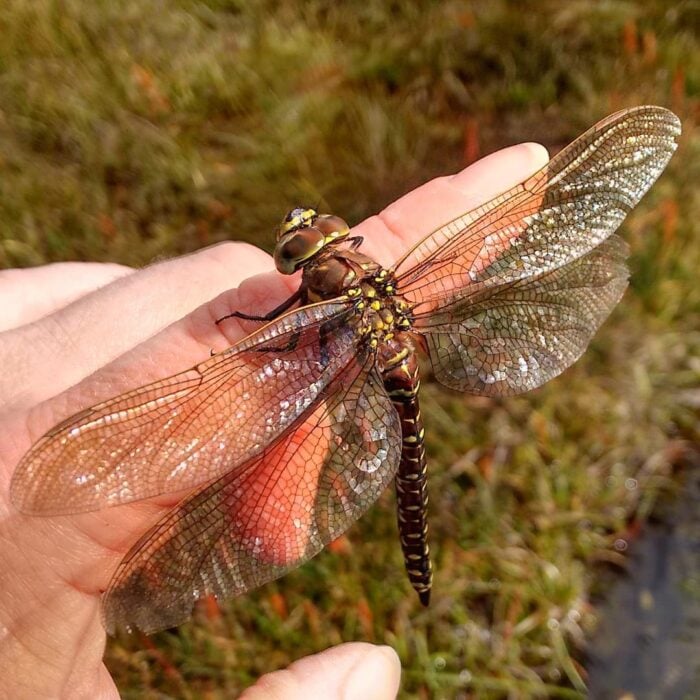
(192, 427)
(275, 512)
(501, 293)
(515, 337)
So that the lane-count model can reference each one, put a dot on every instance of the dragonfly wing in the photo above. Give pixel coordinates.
(502, 294)
(557, 215)
(267, 517)
(513, 338)
(193, 427)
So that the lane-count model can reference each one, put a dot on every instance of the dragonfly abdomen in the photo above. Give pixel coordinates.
(401, 380)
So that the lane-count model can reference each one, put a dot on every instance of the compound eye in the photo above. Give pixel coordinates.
(332, 227)
(296, 248)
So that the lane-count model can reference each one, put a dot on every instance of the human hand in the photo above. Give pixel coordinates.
(75, 334)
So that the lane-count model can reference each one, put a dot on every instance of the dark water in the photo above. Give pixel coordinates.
(648, 643)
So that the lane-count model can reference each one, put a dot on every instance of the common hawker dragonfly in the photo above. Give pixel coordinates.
(288, 437)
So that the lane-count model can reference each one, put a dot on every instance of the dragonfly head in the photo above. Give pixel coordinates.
(303, 234)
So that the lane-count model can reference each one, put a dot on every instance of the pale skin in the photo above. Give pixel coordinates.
(77, 333)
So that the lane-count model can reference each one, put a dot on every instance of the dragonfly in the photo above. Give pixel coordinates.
(285, 439)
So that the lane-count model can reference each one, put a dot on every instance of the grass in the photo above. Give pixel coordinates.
(133, 130)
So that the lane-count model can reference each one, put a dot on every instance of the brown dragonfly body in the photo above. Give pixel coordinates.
(288, 437)
(384, 320)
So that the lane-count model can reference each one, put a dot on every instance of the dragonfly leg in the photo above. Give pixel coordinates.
(288, 347)
(324, 332)
(270, 315)
(355, 242)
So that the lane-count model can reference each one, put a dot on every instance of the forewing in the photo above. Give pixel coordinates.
(194, 426)
(557, 215)
(267, 517)
(510, 294)
(505, 340)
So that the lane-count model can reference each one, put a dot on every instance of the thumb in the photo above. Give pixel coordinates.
(353, 671)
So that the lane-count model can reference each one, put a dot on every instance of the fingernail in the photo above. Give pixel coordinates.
(375, 676)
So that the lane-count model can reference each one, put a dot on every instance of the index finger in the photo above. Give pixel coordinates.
(387, 235)
(413, 216)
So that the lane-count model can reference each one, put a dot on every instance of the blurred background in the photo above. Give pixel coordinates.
(131, 130)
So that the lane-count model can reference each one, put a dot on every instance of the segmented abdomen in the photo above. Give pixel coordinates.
(402, 383)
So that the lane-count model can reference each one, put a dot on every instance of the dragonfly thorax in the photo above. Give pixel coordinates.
(383, 312)
(309, 241)
(336, 273)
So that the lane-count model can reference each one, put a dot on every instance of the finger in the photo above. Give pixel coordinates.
(353, 671)
(402, 224)
(412, 217)
(29, 294)
(41, 359)
(131, 309)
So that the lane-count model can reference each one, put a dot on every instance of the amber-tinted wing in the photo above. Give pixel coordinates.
(510, 294)
(194, 426)
(270, 515)
(518, 336)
